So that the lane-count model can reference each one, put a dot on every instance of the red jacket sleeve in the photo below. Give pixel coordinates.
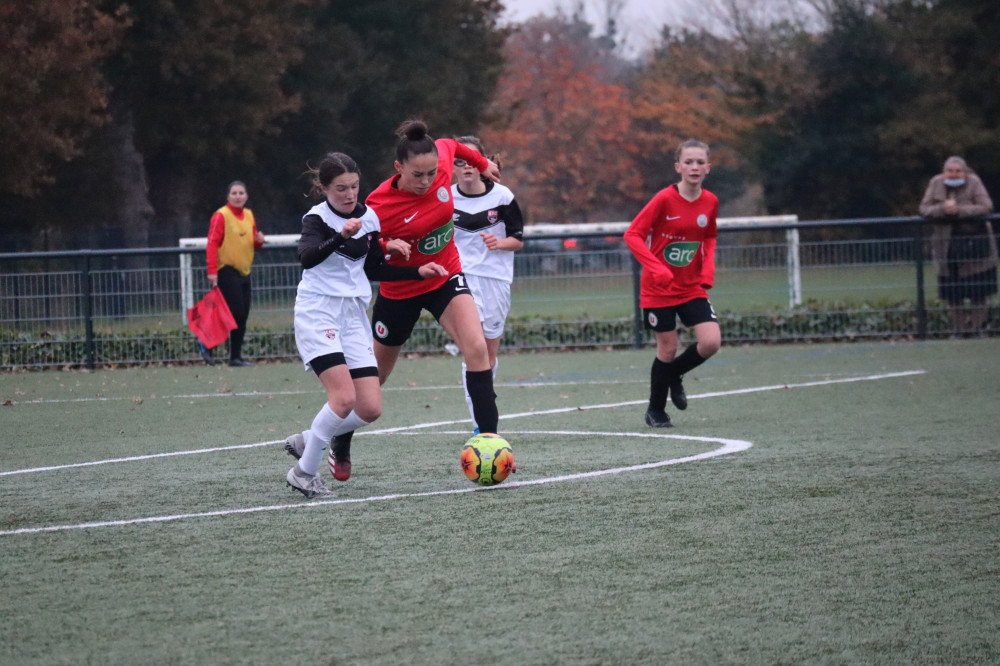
(216, 233)
(638, 232)
(708, 249)
(256, 245)
(461, 152)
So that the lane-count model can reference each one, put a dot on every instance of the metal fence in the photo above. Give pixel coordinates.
(851, 279)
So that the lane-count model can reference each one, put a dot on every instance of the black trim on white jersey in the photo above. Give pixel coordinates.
(319, 240)
(491, 212)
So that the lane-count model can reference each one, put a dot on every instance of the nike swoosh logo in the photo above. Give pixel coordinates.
(407, 219)
(675, 217)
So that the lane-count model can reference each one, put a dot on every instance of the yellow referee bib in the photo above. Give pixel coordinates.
(237, 245)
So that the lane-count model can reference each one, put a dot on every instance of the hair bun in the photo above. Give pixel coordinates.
(412, 130)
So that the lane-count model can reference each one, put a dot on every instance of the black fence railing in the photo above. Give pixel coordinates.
(839, 279)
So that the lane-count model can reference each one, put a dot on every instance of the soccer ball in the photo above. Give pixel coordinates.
(487, 459)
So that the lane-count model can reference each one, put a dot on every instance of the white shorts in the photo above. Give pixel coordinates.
(492, 298)
(330, 324)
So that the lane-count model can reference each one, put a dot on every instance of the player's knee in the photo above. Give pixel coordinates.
(475, 354)
(666, 353)
(708, 348)
(342, 404)
(369, 413)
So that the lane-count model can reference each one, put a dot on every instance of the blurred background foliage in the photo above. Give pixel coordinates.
(127, 119)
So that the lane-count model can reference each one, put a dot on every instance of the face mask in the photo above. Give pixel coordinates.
(954, 182)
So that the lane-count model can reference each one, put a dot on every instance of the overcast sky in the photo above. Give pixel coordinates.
(642, 18)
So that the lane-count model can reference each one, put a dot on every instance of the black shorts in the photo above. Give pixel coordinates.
(693, 312)
(321, 364)
(393, 319)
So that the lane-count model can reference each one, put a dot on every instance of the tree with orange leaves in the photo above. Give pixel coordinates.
(53, 91)
(562, 124)
(683, 92)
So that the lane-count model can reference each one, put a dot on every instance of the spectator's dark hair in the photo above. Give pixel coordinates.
(691, 143)
(413, 140)
(333, 165)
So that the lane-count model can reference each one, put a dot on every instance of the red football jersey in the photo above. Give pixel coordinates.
(679, 260)
(425, 221)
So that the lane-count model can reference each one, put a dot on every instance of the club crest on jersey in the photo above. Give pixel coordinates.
(436, 240)
(443, 194)
(331, 334)
(653, 319)
(680, 254)
(703, 220)
(492, 216)
(381, 330)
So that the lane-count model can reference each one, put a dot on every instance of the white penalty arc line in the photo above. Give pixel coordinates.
(729, 446)
(438, 424)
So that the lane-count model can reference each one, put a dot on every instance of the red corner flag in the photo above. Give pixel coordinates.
(211, 320)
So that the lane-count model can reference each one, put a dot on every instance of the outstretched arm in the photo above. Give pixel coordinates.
(318, 241)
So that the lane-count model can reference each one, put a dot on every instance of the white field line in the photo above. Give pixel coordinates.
(728, 446)
(438, 424)
(313, 391)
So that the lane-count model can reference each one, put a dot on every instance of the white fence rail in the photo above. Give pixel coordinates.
(548, 231)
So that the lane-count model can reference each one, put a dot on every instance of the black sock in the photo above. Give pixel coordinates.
(342, 445)
(689, 360)
(659, 380)
(484, 400)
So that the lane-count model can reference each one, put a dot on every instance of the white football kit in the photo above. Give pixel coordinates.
(332, 299)
(488, 272)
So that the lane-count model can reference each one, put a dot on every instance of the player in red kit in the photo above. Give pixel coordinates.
(673, 237)
(416, 206)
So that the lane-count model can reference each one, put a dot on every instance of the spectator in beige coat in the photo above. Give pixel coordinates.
(963, 247)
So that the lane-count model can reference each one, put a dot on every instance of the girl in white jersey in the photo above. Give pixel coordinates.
(340, 254)
(488, 230)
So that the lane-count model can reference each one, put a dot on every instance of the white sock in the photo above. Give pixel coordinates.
(468, 399)
(324, 427)
(351, 422)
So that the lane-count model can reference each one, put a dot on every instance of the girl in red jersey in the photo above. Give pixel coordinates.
(673, 238)
(416, 206)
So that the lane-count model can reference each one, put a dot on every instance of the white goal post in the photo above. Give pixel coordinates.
(791, 235)
(187, 273)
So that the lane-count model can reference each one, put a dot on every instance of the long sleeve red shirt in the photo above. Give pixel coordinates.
(424, 221)
(679, 260)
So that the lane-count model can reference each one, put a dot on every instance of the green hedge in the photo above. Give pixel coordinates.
(813, 321)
